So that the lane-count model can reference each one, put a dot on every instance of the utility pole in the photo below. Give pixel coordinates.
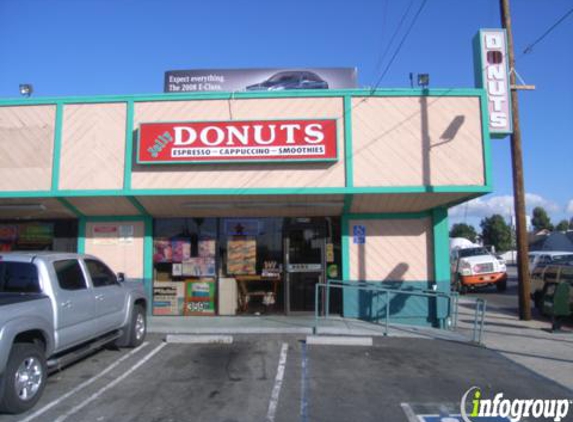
(524, 286)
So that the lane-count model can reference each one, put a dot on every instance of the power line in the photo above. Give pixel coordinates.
(529, 48)
(402, 20)
(402, 41)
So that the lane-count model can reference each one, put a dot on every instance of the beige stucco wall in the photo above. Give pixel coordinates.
(414, 141)
(126, 257)
(243, 175)
(394, 250)
(93, 146)
(26, 147)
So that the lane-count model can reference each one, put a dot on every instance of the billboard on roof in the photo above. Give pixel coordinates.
(271, 79)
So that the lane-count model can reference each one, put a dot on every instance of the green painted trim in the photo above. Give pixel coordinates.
(345, 247)
(441, 248)
(128, 159)
(311, 191)
(487, 159)
(469, 189)
(398, 92)
(27, 194)
(390, 216)
(148, 261)
(478, 61)
(347, 204)
(138, 205)
(348, 148)
(56, 162)
(82, 235)
(70, 207)
(91, 192)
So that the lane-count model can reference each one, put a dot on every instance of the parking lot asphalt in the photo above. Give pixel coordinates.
(279, 378)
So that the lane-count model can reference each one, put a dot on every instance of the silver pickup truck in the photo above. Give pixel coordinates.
(56, 308)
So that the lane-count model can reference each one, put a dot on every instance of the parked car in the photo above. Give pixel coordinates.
(472, 266)
(54, 309)
(295, 79)
(543, 258)
(551, 273)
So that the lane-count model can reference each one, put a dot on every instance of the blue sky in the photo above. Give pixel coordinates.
(89, 47)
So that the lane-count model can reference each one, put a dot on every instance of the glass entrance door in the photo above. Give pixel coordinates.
(304, 264)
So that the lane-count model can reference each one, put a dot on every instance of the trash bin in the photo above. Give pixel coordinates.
(556, 303)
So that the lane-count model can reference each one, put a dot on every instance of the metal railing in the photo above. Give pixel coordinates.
(479, 316)
(451, 297)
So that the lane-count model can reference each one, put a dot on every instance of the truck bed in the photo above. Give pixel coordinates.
(13, 298)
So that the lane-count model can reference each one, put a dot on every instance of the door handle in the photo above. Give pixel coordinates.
(67, 304)
(99, 297)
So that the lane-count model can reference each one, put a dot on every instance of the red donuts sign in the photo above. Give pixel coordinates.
(237, 141)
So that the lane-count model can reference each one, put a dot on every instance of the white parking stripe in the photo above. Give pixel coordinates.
(409, 412)
(83, 384)
(111, 384)
(273, 404)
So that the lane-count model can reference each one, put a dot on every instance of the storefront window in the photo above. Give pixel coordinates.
(185, 262)
(56, 235)
(230, 266)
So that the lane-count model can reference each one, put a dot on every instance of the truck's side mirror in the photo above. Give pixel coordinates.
(120, 277)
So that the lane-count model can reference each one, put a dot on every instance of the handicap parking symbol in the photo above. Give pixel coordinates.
(359, 234)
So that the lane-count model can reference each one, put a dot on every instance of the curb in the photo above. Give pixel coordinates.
(198, 339)
(339, 341)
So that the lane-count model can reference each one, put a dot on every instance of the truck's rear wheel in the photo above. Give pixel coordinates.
(501, 285)
(24, 379)
(138, 328)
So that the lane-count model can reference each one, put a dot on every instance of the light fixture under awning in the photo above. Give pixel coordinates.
(249, 205)
(22, 207)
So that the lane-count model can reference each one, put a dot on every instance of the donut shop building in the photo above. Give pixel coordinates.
(239, 204)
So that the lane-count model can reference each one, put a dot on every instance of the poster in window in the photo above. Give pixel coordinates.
(177, 270)
(199, 267)
(200, 297)
(35, 234)
(207, 248)
(168, 298)
(8, 233)
(162, 251)
(181, 250)
(242, 256)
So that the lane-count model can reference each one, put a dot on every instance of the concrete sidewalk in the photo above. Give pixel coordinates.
(528, 343)
(302, 325)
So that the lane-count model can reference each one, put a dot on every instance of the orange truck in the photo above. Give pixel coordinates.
(472, 266)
